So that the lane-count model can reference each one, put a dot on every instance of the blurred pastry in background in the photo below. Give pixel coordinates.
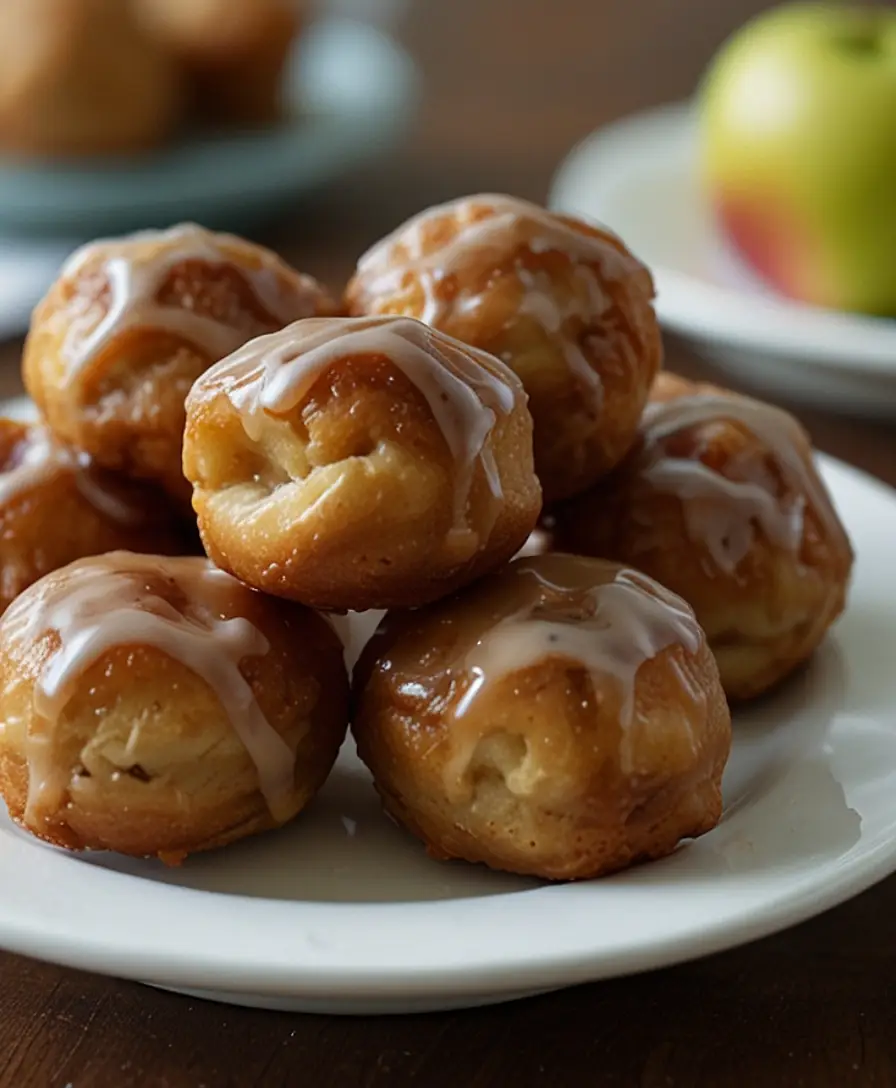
(562, 302)
(233, 53)
(156, 706)
(56, 507)
(358, 463)
(562, 719)
(82, 77)
(131, 323)
(721, 501)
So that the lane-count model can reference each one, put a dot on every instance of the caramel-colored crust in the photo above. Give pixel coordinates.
(80, 77)
(762, 620)
(52, 523)
(127, 409)
(574, 444)
(167, 774)
(533, 779)
(347, 502)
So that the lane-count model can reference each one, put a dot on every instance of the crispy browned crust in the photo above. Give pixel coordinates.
(152, 764)
(348, 502)
(535, 779)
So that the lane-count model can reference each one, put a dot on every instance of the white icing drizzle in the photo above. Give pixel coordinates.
(722, 512)
(136, 267)
(40, 459)
(611, 629)
(512, 226)
(466, 389)
(110, 601)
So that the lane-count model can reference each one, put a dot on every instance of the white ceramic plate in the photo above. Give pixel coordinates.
(343, 912)
(639, 176)
(351, 91)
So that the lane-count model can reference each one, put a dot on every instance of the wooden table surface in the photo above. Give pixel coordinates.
(510, 85)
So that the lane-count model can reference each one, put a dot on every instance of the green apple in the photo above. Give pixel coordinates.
(798, 152)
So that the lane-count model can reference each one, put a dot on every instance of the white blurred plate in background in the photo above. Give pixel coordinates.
(639, 176)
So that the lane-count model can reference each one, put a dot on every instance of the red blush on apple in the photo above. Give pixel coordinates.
(769, 239)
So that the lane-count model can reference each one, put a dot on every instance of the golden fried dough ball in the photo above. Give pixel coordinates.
(80, 77)
(158, 707)
(563, 719)
(562, 302)
(55, 507)
(130, 324)
(355, 463)
(721, 502)
(233, 51)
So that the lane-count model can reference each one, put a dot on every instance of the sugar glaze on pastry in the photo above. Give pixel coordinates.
(131, 323)
(360, 463)
(720, 500)
(610, 629)
(721, 511)
(137, 267)
(563, 718)
(274, 373)
(561, 301)
(109, 602)
(514, 223)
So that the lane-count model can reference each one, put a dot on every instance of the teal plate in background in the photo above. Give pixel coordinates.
(352, 91)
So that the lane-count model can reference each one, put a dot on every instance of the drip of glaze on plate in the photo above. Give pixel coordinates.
(477, 241)
(136, 268)
(466, 389)
(721, 512)
(113, 601)
(39, 458)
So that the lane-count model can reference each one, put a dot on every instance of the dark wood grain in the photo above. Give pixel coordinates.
(510, 85)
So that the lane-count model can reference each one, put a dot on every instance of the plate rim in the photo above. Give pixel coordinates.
(712, 312)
